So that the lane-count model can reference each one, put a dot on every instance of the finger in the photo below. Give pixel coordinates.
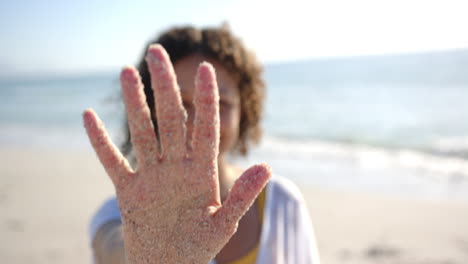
(242, 195)
(141, 128)
(205, 139)
(111, 158)
(169, 110)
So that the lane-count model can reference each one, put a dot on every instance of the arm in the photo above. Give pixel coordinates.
(108, 244)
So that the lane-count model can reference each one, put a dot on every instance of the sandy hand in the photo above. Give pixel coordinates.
(170, 206)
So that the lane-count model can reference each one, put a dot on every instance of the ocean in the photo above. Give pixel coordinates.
(393, 124)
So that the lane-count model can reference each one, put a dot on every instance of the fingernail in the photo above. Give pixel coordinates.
(154, 55)
(206, 71)
(206, 79)
(128, 74)
(88, 118)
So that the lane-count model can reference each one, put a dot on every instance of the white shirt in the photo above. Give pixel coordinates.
(287, 235)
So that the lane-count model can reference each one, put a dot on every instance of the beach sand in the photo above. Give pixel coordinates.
(47, 198)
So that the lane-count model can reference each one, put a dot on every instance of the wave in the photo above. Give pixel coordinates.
(451, 146)
(370, 156)
(364, 167)
(445, 146)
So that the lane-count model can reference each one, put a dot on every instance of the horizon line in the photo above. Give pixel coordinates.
(77, 73)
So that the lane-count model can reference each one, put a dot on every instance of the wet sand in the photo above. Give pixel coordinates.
(47, 198)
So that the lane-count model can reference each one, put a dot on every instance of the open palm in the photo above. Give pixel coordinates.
(170, 205)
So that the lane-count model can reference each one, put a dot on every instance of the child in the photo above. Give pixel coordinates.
(183, 200)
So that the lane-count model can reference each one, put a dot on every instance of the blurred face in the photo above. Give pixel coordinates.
(229, 98)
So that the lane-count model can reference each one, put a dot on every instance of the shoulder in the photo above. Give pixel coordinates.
(284, 188)
(287, 235)
(108, 211)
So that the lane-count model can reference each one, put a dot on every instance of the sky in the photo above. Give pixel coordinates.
(55, 37)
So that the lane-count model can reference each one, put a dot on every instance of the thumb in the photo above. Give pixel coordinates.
(241, 196)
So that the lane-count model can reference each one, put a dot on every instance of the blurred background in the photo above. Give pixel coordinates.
(366, 111)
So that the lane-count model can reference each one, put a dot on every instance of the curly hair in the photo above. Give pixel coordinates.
(222, 46)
